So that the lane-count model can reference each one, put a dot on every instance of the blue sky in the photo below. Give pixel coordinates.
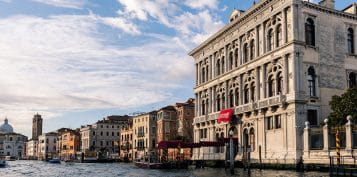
(77, 61)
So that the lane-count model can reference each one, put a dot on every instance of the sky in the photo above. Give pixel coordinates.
(77, 61)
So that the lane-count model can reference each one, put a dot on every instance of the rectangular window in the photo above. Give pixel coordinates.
(270, 123)
(277, 121)
(312, 117)
(167, 127)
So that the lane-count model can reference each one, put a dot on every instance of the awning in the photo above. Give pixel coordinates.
(180, 144)
(225, 116)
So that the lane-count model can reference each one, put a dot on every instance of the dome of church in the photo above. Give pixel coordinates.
(6, 127)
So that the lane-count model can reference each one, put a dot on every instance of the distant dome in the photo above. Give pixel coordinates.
(6, 127)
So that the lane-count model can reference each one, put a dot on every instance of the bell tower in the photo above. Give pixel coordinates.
(36, 126)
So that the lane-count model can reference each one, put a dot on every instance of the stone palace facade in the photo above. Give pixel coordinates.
(276, 65)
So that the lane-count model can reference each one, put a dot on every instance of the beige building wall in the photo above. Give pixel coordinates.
(144, 135)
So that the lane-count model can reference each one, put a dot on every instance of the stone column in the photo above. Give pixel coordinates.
(307, 138)
(214, 107)
(264, 81)
(196, 82)
(240, 51)
(196, 107)
(241, 89)
(257, 82)
(213, 65)
(349, 139)
(284, 27)
(257, 39)
(325, 135)
(286, 75)
(264, 39)
(226, 95)
(199, 73)
(198, 103)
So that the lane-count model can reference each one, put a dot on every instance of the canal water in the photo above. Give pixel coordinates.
(42, 169)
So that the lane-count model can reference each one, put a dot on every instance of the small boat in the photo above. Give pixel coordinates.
(148, 165)
(54, 161)
(2, 163)
(9, 158)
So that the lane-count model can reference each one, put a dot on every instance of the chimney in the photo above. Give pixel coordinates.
(328, 3)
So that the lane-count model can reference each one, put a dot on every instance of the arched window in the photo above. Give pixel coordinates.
(279, 36)
(352, 80)
(236, 58)
(223, 101)
(203, 75)
(311, 79)
(270, 40)
(218, 68)
(271, 86)
(223, 69)
(279, 81)
(245, 53)
(237, 97)
(203, 107)
(252, 50)
(252, 92)
(310, 32)
(218, 102)
(231, 62)
(350, 41)
(207, 74)
(231, 99)
(246, 94)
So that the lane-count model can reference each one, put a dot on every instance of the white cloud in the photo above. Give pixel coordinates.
(77, 4)
(197, 26)
(199, 4)
(121, 23)
(62, 63)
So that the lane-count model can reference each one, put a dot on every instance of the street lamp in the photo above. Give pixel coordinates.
(231, 158)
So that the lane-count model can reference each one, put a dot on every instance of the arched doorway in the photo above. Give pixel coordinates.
(235, 136)
(245, 139)
(251, 139)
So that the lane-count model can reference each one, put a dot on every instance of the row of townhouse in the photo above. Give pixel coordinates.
(100, 139)
(141, 135)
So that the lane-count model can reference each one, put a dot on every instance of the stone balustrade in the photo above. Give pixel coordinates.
(320, 144)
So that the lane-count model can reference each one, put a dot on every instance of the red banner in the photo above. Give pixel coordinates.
(225, 116)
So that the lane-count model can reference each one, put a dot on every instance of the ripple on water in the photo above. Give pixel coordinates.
(43, 169)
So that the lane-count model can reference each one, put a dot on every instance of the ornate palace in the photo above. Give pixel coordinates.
(276, 66)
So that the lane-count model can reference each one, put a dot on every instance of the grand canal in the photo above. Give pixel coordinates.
(43, 169)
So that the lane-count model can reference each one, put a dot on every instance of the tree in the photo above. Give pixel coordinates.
(342, 106)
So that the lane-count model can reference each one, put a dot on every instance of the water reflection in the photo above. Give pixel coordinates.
(39, 169)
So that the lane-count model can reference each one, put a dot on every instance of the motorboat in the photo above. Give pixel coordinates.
(2, 163)
(55, 161)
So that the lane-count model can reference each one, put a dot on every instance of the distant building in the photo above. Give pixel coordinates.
(11, 143)
(103, 136)
(185, 115)
(68, 144)
(126, 141)
(32, 149)
(167, 124)
(144, 136)
(36, 126)
(47, 145)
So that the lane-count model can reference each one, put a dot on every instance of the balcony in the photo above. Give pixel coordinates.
(261, 104)
(250, 107)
